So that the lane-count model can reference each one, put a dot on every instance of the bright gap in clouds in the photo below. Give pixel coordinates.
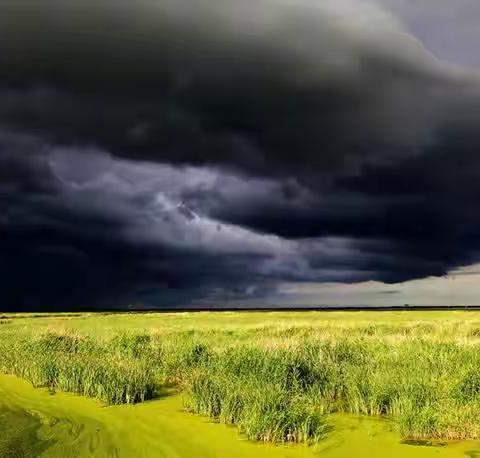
(459, 287)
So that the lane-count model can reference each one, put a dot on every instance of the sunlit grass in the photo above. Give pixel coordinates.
(277, 379)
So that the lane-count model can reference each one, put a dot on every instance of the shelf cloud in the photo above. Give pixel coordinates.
(167, 153)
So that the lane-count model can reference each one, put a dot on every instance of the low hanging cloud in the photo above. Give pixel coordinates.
(85, 229)
(167, 152)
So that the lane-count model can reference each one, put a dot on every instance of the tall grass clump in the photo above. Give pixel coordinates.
(77, 365)
(262, 411)
(131, 345)
(431, 389)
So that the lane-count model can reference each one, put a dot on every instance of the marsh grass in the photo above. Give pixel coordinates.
(275, 382)
(78, 365)
(262, 410)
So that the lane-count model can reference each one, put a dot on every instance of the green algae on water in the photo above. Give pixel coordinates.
(19, 434)
(66, 425)
(83, 427)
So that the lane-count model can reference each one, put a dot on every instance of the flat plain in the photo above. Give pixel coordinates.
(291, 380)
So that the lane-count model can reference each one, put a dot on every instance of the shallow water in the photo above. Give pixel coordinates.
(36, 423)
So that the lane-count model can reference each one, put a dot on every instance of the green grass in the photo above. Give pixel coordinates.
(276, 376)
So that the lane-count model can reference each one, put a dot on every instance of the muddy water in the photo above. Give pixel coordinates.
(36, 423)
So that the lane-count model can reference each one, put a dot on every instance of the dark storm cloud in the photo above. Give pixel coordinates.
(425, 205)
(166, 151)
(82, 229)
(57, 253)
(266, 86)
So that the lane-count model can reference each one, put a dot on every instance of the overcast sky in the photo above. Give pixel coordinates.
(189, 152)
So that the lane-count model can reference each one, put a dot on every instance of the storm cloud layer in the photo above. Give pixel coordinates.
(166, 153)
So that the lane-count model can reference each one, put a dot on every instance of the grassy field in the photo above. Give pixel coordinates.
(276, 376)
